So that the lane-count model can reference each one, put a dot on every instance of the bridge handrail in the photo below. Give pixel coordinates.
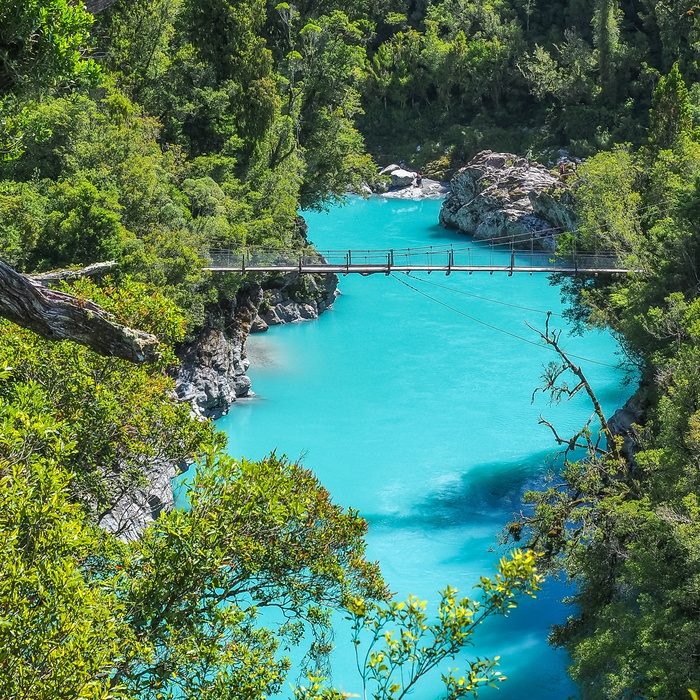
(432, 256)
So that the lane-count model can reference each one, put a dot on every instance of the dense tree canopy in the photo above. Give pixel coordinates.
(204, 124)
(162, 128)
(626, 529)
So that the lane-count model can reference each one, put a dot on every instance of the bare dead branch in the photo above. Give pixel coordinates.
(571, 443)
(552, 339)
(95, 270)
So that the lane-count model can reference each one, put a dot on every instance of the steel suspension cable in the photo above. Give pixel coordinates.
(496, 328)
(476, 296)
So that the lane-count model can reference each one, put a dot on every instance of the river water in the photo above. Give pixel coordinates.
(412, 410)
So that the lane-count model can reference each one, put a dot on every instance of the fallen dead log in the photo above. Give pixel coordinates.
(59, 316)
(94, 270)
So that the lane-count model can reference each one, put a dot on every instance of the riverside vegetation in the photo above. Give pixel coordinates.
(166, 126)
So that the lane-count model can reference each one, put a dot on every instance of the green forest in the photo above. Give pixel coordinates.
(145, 132)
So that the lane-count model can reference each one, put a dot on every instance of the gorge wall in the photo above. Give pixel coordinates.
(212, 370)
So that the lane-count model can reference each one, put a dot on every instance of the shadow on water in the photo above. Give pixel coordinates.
(446, 234)
(488, 493)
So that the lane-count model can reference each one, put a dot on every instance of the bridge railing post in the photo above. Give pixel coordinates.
(243, 262)
(450, 260)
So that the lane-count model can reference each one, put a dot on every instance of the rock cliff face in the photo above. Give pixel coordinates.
(502, 196)
(622, 422)
(293, 297)
(136, 509)
(210, 377)
(212, 371)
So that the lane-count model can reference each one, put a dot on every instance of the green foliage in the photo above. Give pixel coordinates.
(135, 305)
(626, 530)
(609, 204)
(568, 77)
(677, 25)
(42, 45)
(256, 535)
(22, 209)
(670, 111)
(401, 644)
(606, 38)
(396, 659)
(82, 226)
(218, 94)
(113, 414)
(42, 48)
(140, 32)
(84, 615)
(325, 70)
(60, 635)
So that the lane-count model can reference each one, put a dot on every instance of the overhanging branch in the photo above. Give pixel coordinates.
(60, 316)
(552, 339)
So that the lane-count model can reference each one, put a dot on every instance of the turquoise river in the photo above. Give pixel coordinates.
(419, 414)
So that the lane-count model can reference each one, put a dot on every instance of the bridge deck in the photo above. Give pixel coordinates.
(446, 259)
(388, 269)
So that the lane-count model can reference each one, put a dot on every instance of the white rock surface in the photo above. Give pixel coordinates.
(500, 195)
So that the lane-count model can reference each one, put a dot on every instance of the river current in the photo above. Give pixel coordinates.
(415, 408)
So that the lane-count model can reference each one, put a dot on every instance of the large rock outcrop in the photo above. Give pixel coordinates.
(212, 371)
(500, 196)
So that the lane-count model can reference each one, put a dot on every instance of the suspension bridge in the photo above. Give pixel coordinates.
(445, 259)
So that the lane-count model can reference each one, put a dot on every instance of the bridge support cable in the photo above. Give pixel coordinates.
(496, 328)
(481, 298)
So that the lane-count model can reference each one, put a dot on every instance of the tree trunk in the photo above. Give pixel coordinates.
(60, 316)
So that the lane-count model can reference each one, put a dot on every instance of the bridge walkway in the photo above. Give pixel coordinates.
(444, 259)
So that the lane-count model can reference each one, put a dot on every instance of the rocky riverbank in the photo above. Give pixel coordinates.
(497, 195)
(212, 370)
(397, 182)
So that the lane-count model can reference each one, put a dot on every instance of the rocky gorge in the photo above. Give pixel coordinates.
(212, 375)
(495, 196)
